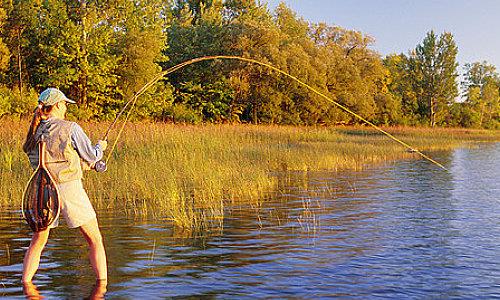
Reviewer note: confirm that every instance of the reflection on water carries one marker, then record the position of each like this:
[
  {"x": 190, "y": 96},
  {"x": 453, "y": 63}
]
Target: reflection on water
[{"x": 406, "y": 230}]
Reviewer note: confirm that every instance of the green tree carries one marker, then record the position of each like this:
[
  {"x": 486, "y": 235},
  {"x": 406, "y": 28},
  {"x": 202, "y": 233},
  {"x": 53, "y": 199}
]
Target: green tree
[
  {"x": 141, "y": 37},
  {"x": 196, "y": 8},
  {"x": 197, "y": 32},
  {"x": 21, "y": 16},
  {"x": 481, "y": 88},
  {"x": 388, "y": 106},
  {"x": 355, "y": 74},
  {"x": 65, "y": 44},
  {"x": 478, "y": 74},
  {"x": 299, "y": 57},
  {"x": 4, "y": 51},
  {"x": 400, "y": 86},
  {"x": 84, "y": 47},
  {"x": 434, "y": 71},
  {"x": 141, "y": 40},
  {"x": 256, "y": 36}
]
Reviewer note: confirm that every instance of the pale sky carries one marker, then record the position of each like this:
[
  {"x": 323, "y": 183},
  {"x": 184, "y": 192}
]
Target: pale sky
[{"x": 399, "y": 25}]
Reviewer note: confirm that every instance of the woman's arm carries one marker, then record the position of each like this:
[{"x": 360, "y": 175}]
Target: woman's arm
[{"x": 80, "y": 141}]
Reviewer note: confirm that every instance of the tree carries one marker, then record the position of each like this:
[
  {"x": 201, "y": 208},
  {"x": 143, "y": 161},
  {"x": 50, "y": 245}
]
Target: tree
[
  {"x": 401, "y": 86},
  {"x": 298, "y": 55},
  {"x": 21, "y": 15},
  {"x": 83, "y": 47},
  {"x": 355, "y": 75},
  {"x": 478, "y": 74},
  {"x": 201, "y": 31},
  {"x": 141, "y": 39},
  {"x": 140, "y": 32},
  {"x": 256, "y": 36},
  {"x": 65, "y": 44},
  {"x": 235, "y": 8},
  {"x": 194, "y": 7},
  {"x": 4, "y": 51},
  {"x": 434, "y": 71},
  {"x": 481, "y": 88},
  {"x": 101, "y": 52}
]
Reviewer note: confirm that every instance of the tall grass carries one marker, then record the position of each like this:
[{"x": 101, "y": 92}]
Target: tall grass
[{"x": 189, "y": 174}]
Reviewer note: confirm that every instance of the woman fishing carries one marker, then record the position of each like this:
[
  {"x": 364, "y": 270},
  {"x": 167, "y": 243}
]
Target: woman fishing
[{"x": 68, "y": 152}]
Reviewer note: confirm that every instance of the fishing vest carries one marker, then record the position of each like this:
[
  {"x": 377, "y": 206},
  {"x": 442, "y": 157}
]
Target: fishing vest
[{"x": 62, "y": 160}]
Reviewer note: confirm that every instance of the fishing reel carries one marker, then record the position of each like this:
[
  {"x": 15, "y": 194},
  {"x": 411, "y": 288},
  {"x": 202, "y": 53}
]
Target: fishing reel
[{"x": 100, "y": 166}]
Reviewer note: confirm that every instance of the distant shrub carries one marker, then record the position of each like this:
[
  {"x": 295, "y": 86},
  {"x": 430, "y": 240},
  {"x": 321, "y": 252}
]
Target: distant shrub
[
  {"x": 4, "y": 101},
  {"x": 17, "y": 104},
  {"x": 492, "y": 124},
  {"x": 180, "y": 113},
  {"x": 76, "y": 112}
]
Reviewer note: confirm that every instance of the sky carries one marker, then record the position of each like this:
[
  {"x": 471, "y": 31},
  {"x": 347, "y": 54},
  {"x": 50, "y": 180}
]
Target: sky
[{"x": 400, "y": 25}]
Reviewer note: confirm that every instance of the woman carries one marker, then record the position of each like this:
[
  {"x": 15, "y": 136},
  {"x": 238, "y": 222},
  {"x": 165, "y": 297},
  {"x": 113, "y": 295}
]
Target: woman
[{"x": 68, "y": 152}]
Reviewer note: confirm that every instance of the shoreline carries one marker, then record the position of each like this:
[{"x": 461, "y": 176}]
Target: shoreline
[{"x": 189, "y": 173}]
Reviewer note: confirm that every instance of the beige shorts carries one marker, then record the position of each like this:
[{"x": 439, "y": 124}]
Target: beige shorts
[{"x": 75, "y": 205}]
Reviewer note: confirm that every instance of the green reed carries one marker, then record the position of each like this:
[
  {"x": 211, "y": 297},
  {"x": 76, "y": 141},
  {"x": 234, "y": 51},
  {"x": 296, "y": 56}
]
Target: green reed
[{"x": 188, "y": 174}]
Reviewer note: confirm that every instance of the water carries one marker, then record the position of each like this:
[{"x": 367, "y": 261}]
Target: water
[{"x": 406, "y": 230}]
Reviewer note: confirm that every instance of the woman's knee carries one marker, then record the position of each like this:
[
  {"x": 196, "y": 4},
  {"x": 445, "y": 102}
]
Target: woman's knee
[
  {"x": 39, "y": 239},
  {"x": 92, "y": 233},
  {"x": 96, "y": 239}
]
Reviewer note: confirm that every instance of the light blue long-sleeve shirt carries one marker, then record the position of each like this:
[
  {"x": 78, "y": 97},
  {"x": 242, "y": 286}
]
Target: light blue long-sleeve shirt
[
  {"x": 79, "y": 141},
  {"x": 83, "y": 145}
]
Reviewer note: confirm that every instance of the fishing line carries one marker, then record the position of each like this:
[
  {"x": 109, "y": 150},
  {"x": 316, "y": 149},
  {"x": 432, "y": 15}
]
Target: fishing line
[
  {"x": 160, "y": 76},
  {"x": 132, "y": 101}
]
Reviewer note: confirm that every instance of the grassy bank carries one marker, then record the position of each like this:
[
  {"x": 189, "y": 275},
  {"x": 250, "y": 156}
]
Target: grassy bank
[{"x": 187, "y": 174}]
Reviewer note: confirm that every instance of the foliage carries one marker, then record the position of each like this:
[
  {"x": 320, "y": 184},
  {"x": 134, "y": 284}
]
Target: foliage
[
  {"x": 97, "y": 52},
  {"x": 435, "y": 75},
  {"x": 15, "y": 103},
  {"x": 4, "y": 50},
  {"x": 482, "y": 100},
  {"x": 180, "y": 113},
  {"x": 400, "y": 86},
  {"x": 102, "y": 52}
]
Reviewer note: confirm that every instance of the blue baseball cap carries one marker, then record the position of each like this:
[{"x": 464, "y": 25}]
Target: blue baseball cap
[{"x": 52, "y": 96}]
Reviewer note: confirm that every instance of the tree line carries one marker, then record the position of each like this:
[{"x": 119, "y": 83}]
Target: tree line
[{"x": 101, "y": 52}]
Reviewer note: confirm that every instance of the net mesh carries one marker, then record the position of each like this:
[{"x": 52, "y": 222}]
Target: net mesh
[{"x": 41, "y": 201}]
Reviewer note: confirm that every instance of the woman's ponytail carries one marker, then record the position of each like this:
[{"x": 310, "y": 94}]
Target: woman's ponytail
[{"x": 39, "y": 112}]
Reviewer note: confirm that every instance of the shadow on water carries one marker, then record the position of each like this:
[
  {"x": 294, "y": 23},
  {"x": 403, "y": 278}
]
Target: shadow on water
[{"x": 405, "y": 230}]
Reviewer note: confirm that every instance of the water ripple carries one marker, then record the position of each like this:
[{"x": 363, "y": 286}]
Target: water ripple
[{"x": 401, "y": 231}]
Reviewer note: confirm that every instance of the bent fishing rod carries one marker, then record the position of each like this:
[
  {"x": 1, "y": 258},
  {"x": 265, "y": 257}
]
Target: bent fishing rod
[{"x": 100, "y": 166}]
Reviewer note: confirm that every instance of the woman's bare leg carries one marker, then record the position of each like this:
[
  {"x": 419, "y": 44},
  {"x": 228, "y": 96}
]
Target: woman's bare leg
[
  {"x": 99, "y": 290},
  {"x": 31, "y": 291},
  {"x": 32, "y": 256},
  {"x": 97, "y": 253}
]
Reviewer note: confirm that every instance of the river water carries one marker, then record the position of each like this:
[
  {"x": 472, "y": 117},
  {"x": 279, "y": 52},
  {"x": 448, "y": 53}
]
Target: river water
[{"x": 406, "y": 230}]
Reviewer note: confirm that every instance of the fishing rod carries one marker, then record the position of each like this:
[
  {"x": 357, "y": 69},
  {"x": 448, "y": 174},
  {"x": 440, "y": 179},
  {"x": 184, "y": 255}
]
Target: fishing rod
[{"x": 101, "y": 165}]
